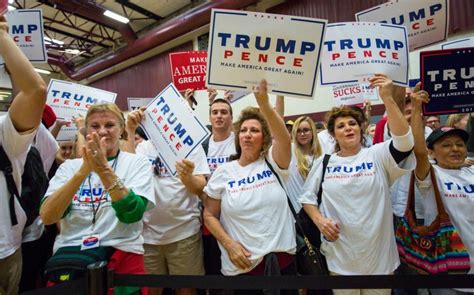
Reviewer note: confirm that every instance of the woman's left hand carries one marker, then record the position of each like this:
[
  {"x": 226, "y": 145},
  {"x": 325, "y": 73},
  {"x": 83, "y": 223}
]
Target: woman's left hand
[{"x": 95, "y": 152}]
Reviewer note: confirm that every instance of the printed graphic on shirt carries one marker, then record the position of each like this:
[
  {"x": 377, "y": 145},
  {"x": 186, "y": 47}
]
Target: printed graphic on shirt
[
  {"x": 364, "y": 169},
  {"x": 215, "y": 162},
  {"x": 159, "y": 168},
  {"x": 458, "y": 190},
  {"x": 254, "y": 181},
  {"x": 87, "y": 197}
]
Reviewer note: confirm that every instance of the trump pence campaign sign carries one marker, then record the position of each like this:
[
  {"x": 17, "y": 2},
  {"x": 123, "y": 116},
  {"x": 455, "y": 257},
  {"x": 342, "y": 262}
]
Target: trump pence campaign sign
[{"x": 247, "y": 46}]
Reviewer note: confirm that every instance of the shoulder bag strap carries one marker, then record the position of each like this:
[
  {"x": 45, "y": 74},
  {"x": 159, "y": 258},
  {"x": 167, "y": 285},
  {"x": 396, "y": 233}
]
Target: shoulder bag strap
[
  {"x": 292, "y": 209},
  {"x": 8, "y": 172},
  {"x": 439, "y": 203}
]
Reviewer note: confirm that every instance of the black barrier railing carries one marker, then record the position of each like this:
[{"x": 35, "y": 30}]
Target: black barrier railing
[
  {"x": 70, "y": 288},
  {"x": 99, "y": 279},
  {"x": 296, "y": 282}
]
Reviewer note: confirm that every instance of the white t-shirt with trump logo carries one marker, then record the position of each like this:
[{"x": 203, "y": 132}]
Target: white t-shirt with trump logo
[
  {"x": 254, "y": 210},
  {"x": 220, "y": 151},
  {"x": 356, "y": 196},
  {"x": 134, "y": 171}
]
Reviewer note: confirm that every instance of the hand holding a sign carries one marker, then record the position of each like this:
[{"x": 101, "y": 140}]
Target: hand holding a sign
[
  {"x": 281, "y": 138},
  {"x": 211, "y": 94},
  {"x": 389, "y": 93}
]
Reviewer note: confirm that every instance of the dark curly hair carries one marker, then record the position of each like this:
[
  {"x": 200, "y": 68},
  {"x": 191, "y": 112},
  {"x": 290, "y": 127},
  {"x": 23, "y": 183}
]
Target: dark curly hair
[
  {"x": 344, "y": 111},
  {"x": 252, "y": 113}
]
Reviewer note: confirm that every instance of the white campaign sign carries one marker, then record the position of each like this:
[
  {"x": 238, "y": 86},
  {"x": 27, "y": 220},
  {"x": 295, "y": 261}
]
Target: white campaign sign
[
  {"x": 69, "y": 100},
  {"x": 245, "y": 47},
  {"x": 137, "y": 102},
  {"x": 460, "y": 43},
  {"x": 26, "y": 29},
  {"x": 172, "y": 127},
  {"x": 426, "y": 21},
  {"x": 354, "y": 93},
  {"x": 355, "y": 51}
]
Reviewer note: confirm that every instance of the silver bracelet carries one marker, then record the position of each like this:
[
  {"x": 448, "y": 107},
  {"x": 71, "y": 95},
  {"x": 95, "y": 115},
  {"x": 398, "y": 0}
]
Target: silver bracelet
[{"x": 116, "y": 185}]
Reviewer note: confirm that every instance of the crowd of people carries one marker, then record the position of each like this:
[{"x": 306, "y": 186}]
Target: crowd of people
[{"x": 226, "y": 211}]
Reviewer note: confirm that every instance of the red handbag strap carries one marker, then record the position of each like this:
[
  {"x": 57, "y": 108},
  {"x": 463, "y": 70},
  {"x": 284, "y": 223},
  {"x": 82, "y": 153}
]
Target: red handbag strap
[{"x": 439, "y": 202}]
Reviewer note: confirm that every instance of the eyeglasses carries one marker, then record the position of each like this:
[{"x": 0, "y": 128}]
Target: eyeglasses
[{"x": 304, "y": 130}]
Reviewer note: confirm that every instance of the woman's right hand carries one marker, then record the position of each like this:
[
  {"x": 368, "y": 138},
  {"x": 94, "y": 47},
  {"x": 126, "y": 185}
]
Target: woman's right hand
[
  {"x": 238, "y": 255},
  {"x": 134, "y": 118},
  {"x": 3, "y": 25},
  {"x": 328, "y": 228}
]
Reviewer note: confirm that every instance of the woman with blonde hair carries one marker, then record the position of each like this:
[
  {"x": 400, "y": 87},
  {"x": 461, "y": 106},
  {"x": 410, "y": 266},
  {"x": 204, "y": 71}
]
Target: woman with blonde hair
[
  {"x": 304, "y": 150},
  {"x": 99, "y": 199},
  {"x": 457, "y": 121}
]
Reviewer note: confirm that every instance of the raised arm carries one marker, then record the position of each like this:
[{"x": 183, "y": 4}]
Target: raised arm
[
  {"x": 26, "y": 109},
  {"x": 134, "y": 118},
  {"x": 280, "y": 106},
  {"x": 281, "y": 151},
  {"x": 388, "y": 92},
  {"x": 421, "y": 152}
]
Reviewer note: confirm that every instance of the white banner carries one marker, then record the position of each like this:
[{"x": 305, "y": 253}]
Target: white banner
[
  {"x": 26, "y": 29},
  {"x": 426, "y": 21},
  {"x": 137, "y": 102},
  {"x": 172, "y": 127},
  {"x": 355, "y": 51},
  {"x": 245, "y": 47},
  {"x": 69, "y": 100},
  {"x": 354, "y": 93},
  {"x": 460, "y": 43}
]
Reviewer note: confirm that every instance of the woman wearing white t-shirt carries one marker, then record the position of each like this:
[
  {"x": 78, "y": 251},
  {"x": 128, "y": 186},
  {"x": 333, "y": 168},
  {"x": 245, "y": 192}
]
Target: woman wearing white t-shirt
[
  {"x": 100, "y": 199},
  {"x": 304, "y": 150},
  {"x": 355, "y": 214},
  {"x": 246, "y": 209},
  {"x": 447, "y": 147}
]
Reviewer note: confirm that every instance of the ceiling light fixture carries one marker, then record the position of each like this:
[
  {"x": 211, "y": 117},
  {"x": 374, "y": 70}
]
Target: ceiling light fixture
[
  {"x": 11, "y": 1},
  {"x": 116, "y": 16},
  {"x": 41, "y": 71},
  {"x": 53, "y": 41},
  {"x": 74, "y": 51}
]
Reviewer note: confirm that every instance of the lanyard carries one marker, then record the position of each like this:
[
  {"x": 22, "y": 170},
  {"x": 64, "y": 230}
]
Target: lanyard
[{"x": 94, "y": 208}]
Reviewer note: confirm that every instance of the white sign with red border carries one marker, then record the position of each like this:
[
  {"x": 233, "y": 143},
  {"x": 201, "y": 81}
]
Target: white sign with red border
[
  {"x": 172, "y": 127},
  {"x": 354, "y": 93}
]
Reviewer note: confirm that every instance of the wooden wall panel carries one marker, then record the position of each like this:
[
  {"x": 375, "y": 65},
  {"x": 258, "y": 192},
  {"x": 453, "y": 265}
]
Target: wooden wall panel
[
  {"x": 344, "y": 10},
  {"x": 145, "y": 79}
]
